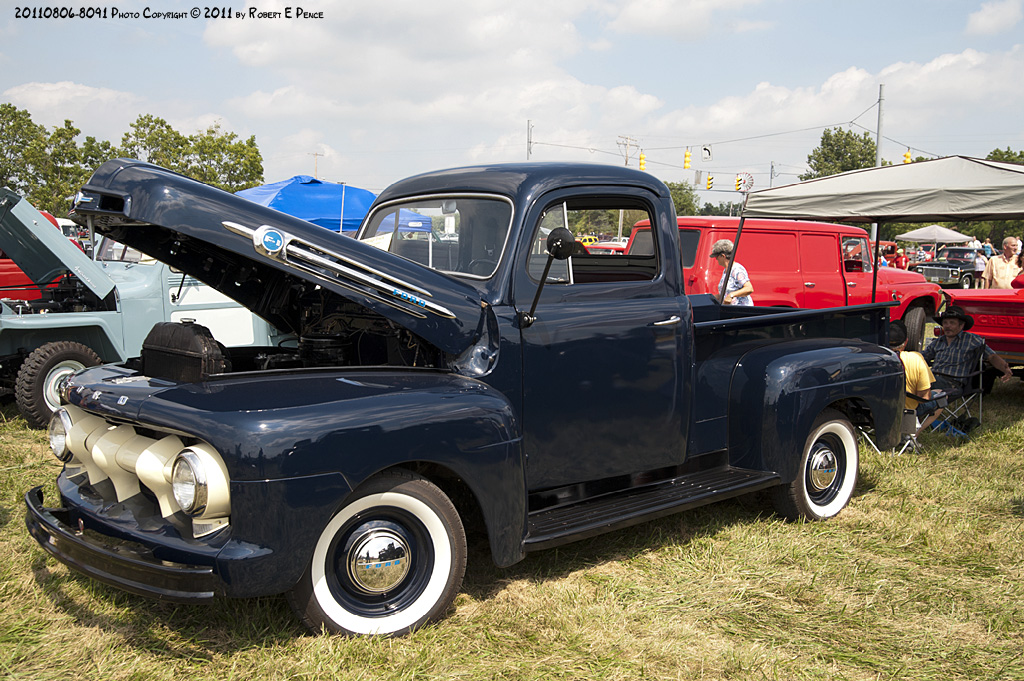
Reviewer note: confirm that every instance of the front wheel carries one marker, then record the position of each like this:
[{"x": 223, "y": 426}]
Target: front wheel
[
  {"x": 389, "y": 562},
  {"x": 827, "y": 474},
  {"x": 914, "y": 320},
  {"x": 966, "y": 281},
  {"x": 37, "y": 389}
]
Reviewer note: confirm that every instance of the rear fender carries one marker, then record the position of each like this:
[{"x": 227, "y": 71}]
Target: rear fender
[{"x": 778, "y": 390}]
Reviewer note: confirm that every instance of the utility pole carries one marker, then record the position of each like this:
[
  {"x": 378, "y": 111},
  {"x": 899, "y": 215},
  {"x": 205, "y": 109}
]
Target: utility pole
[
  {"x": 627, "y": 141},
  {"x": 315, "y": 156},
  {"x": 878, "y": 149}
]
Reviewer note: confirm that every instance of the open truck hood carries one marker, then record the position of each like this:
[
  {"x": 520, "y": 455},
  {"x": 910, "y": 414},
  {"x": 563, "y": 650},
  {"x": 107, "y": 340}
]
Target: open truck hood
[
  {"x": 42, "y": 251},
  {"x": 263, "y": 259}
]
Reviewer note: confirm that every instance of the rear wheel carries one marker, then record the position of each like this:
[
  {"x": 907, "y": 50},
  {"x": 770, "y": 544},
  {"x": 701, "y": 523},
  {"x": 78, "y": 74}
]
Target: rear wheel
[
  {"x": 914, "y": 320},
  {"x": 827, "y": 474},
  {"x": 390, "y": 561},
  {"x": 37, "y": 387}
]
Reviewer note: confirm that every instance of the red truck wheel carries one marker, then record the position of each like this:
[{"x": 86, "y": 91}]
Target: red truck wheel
[
  {"x": 914, "y": 320},
  {"x": 36, "y": 388},
  {"x": 828, "y": 471},
  {"x": 389, "y": 562}
]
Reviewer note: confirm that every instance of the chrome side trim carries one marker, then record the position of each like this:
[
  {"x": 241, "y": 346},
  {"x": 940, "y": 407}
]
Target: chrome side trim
[{"x": 293, "y": 251}]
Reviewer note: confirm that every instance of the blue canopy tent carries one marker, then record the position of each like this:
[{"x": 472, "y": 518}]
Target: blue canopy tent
[{"x": 337, "y": 207}]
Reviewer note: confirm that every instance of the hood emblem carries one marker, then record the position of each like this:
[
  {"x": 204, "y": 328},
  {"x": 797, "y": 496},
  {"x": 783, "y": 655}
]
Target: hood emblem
[
  {"x": 340, "y": 269},
  {"x": 271, "y": 241}
]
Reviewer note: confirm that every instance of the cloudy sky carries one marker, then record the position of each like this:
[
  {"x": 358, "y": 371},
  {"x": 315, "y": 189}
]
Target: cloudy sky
[{"x": 376, "y": 91}]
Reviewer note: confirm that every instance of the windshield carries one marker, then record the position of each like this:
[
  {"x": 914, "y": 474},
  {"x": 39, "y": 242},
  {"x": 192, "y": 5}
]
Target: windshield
[
  {"x": 960, "y": 254},
  {"x": 113, "y": 251},
  {"x": 458, "y": 234}
]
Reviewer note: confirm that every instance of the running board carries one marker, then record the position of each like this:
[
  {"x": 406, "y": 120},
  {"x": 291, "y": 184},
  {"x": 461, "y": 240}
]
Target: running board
[{"x": 556, "y": 526}]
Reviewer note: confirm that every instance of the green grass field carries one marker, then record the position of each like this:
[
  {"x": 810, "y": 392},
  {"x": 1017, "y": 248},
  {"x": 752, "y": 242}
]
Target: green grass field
[{"x": 919, "y": 578}]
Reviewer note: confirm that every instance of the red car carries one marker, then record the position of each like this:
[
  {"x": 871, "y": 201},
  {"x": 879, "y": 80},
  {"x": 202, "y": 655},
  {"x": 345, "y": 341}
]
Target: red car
[
  {"x": 998, "y": 317},
  {"x": 606, "y": 248},
  {"x": 799, "y": 264}
]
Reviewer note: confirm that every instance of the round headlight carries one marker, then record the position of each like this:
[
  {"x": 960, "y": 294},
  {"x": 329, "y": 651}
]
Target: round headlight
[
  {"x": 60, "y": 426},
  {"x": 188, "y": 483}
]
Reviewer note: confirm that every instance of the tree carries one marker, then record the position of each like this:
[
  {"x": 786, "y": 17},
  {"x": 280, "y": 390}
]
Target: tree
[
  {"x": 1006, "y": 156},
  {"x": 95, "y": 152},
  {"x": 57, "y": 161},
  {"x": 211, "y": 156},
  {"x": 684, "y": 197},
  {"x": 152, "y": 139},
  {"x": 839, "y": 151},
  {"x": 20, "y": 137},
  {"x": 722, "y": 208},
  {"x": 224, "y": 160}
]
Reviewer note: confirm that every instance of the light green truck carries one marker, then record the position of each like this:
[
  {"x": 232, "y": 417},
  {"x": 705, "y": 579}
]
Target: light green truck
[{"x": 99, "y": 312}]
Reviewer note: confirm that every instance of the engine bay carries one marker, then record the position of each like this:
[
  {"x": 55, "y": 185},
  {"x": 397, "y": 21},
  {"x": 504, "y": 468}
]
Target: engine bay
[{"x": 335, "y": 333}]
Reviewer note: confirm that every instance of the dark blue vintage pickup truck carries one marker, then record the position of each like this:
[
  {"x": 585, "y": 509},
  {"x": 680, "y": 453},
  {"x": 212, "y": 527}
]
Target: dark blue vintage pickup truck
[{"x": 461, "y": 364}]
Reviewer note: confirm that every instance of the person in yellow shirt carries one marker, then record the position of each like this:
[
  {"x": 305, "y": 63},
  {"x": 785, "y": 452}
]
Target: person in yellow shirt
[{"x": 919, "y": 378}]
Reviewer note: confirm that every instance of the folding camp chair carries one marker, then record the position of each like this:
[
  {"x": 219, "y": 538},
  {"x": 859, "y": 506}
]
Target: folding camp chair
[
  {"x": 963, "y": 414},
  {"x": 908, "y": 431}
]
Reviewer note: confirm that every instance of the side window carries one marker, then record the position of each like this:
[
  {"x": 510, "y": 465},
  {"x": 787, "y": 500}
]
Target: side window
[
  {"x": 592, "y": 216},
  {"x": 113, "y": 251},
  {"x": 856, "y": 257},
  {"x": 689, "y": 239}
]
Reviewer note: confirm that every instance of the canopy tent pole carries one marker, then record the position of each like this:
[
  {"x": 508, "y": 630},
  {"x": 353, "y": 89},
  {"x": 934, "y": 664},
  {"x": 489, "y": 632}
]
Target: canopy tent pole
[
  {"x": 874, "y": 273},
  {"x": 732, "y": 256}
]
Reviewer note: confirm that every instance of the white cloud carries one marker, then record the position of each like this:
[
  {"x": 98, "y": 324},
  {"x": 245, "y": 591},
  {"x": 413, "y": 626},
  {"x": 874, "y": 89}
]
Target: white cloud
[
  {"x": 995, "y": 17},
  {"x": 668, "y": 17},
  {"x": 100, "y": 112}
]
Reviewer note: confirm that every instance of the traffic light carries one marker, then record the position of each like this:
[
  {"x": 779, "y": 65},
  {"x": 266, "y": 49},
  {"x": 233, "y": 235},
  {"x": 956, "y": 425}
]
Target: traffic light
[
  {"x": 711, "y": 180},
  {"x": 686, "y": 160},
  {"x": 643, "y": 161},
  {"x": 739, "y": 183},
  {"x": 906, "y": 156}
]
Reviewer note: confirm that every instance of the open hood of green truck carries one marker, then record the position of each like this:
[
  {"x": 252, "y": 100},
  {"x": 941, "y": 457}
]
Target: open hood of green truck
[{"x": 41, "y": 250}]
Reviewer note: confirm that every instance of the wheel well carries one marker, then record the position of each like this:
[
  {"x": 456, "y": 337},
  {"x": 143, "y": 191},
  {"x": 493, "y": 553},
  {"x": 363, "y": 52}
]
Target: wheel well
[
  {"x": 927, "y": 303},
  {"x": 857, "y": 410},
  {"x": 459, "y": 492}
]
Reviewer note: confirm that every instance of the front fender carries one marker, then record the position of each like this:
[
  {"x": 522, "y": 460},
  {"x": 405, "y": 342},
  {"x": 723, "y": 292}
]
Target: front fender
[
  {"x": 350, "y": 425},
  {"x": 777, "y": 391}
]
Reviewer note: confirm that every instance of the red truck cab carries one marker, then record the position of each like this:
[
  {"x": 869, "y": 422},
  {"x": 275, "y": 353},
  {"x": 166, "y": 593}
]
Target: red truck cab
[{"x": 799, "y": 264}]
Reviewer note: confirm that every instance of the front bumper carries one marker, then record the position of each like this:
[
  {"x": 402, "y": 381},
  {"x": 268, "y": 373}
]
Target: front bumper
[{"x": 125, "y": 565}]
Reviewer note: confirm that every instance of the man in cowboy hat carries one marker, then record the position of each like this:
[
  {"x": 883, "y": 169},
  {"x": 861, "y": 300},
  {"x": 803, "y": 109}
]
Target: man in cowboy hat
[{"x": 954, "y": 355}]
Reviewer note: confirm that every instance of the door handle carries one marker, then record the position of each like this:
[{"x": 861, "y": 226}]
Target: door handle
[
  {"x": 671, "y": 321},
  {"x": 851, "y": 284},
  {"x": 809, "y": 284}
]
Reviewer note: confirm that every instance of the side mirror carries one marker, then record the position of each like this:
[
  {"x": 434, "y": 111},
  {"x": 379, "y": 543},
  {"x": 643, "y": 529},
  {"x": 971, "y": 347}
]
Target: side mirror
[{"x": 560, "y": 243}]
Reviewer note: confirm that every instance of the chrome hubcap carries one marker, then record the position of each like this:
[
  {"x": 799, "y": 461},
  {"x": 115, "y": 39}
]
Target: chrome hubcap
[
  {"x": 378, "y": 560},
  {"x": 823, "y": 469},
  {"x": 51, "y": 389}
]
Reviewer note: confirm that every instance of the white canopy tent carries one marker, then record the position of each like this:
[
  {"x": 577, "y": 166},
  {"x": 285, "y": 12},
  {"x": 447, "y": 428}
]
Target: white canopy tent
[
  {"x": 954, "y": 188},
  {"x": 944, "y": 189},
  {"x": 934, "y": 234}
]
